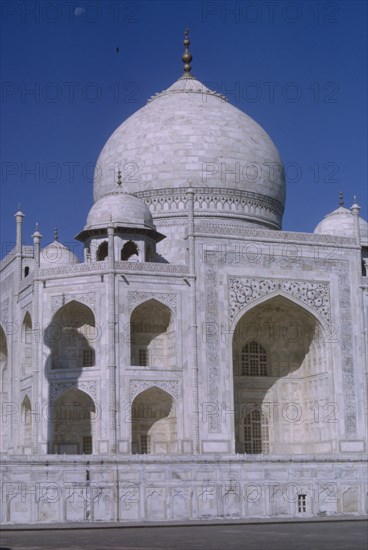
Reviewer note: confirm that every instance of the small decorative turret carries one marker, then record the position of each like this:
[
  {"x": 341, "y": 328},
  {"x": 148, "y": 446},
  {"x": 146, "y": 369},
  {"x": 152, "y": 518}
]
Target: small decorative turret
[
  {"x": 19, "y": 220},
  {"x": 36, "y": 246},
  {"x": 355, "y": 211},
  {"x": 187, "y": 56}
]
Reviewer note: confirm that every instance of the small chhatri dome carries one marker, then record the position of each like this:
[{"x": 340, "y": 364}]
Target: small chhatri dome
[
  {"x": 56, "y": 254},
  {"x": 120, "y": 209},
  {"x": 189, "y": 131},
  {"x": 340, "y": 223}
]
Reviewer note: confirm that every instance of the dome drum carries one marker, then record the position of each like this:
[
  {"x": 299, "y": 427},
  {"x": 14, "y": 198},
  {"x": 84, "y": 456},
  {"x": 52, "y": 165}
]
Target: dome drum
[{"x": 246, "y": 206}]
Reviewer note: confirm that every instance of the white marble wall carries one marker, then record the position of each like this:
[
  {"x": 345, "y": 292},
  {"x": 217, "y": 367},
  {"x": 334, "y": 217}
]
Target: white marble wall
[{"x": 53, "y": 489}]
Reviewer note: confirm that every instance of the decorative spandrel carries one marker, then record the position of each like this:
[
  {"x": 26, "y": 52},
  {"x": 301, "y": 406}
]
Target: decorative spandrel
[{"x": 245, "y": 291}]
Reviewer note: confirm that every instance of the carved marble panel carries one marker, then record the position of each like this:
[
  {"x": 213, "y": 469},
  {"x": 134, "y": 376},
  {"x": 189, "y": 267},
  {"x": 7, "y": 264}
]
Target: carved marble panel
[
  {"x": 4, "y": 312},
  {"x": 87, "y": 298},
  {"x": 136, "y": 297},
  {"x": 243, "y": 291},
  {"x": 88, "y": 386},
  {"x": 212, "y": 343},
  {"x": 170, "y": 386}
]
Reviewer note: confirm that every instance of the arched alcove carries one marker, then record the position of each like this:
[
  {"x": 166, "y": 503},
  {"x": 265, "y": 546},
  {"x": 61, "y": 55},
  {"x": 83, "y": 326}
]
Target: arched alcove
[
  {"x": 280, "y": 372},
  {"x": 26, "y": 347},
  {"x": 72, "y": 422},
  {"x": 26, "y": 426},
  {"x": 71, "y": 336},
  {"x": 154, "y": 425},
  {"x": 153, "y": 341},
  {"x": 129, "y": 251}
]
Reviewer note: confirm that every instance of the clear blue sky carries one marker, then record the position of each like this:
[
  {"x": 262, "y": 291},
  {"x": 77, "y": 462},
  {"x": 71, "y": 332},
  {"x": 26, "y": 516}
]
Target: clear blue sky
[{"x": 298, "y": 68}]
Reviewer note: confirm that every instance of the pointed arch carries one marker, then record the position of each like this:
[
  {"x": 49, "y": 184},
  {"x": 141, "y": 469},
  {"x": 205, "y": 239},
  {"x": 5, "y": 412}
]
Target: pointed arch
[
  {"x": 154, "y": 423},
  {"x": 26, "y": 426},
  {"x": 71, "y": 336},
  {"x": 73, "y": 421},
  {"x": 26, "y": 346},
  {"x": 129, "y": 250},
  {"x": 102, "y": 251},
  {"x": 153, "y": 335}
]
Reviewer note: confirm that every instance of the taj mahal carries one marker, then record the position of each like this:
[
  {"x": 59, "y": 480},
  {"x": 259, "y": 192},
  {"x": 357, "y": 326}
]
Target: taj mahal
[{"x": 199, "y": 362}]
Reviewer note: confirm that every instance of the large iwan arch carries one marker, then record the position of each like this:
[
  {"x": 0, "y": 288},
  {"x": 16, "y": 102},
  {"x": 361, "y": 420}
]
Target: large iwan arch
[{"x": 282, "y": 377}]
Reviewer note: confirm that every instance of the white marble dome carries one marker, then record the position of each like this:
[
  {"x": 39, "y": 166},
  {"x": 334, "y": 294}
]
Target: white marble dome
[
  {"x": 340, "y": 222},
  {"x": 189, "y": 132},
  {"x": 56, "y": 254},
  {"x": 122, "y": 209}
]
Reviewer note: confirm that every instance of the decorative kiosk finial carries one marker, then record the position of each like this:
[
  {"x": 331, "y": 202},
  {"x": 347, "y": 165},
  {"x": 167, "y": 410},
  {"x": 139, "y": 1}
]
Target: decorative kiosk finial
[
  {"x": 341, "y": 199},
  {"x": 56, "y": 234},
  {"x": 187, "y": 56}
]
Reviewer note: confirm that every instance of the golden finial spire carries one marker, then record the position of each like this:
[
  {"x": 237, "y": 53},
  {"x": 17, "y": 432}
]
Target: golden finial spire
[
  {"x": 187, "y": 56},
  {"x": 56, "y": 234},
  {"x": 341, "y": 199}
]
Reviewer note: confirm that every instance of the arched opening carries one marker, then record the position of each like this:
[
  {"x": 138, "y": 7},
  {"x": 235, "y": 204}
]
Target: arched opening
[
  {"x": 26, "y": 426},
  {"x": 73, "y": 417},
  {"x": 153, "y": 336},
  {"x": 129, "y": 250},
  {"x": 71, "y": 337},
  {"x": 280, "y": 372},
  {"x": 153, "y": 423},
  {"x": 102, "y": 251},
  {"x": 4, "y": 390},
  {"x": 26, "y": 349},
  {"x": 26, "y": 271}
]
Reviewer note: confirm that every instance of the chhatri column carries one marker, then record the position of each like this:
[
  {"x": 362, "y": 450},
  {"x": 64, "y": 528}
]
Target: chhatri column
[
  {"x": 193, "y": 318},
  {"x": 111, "y": 337}
]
